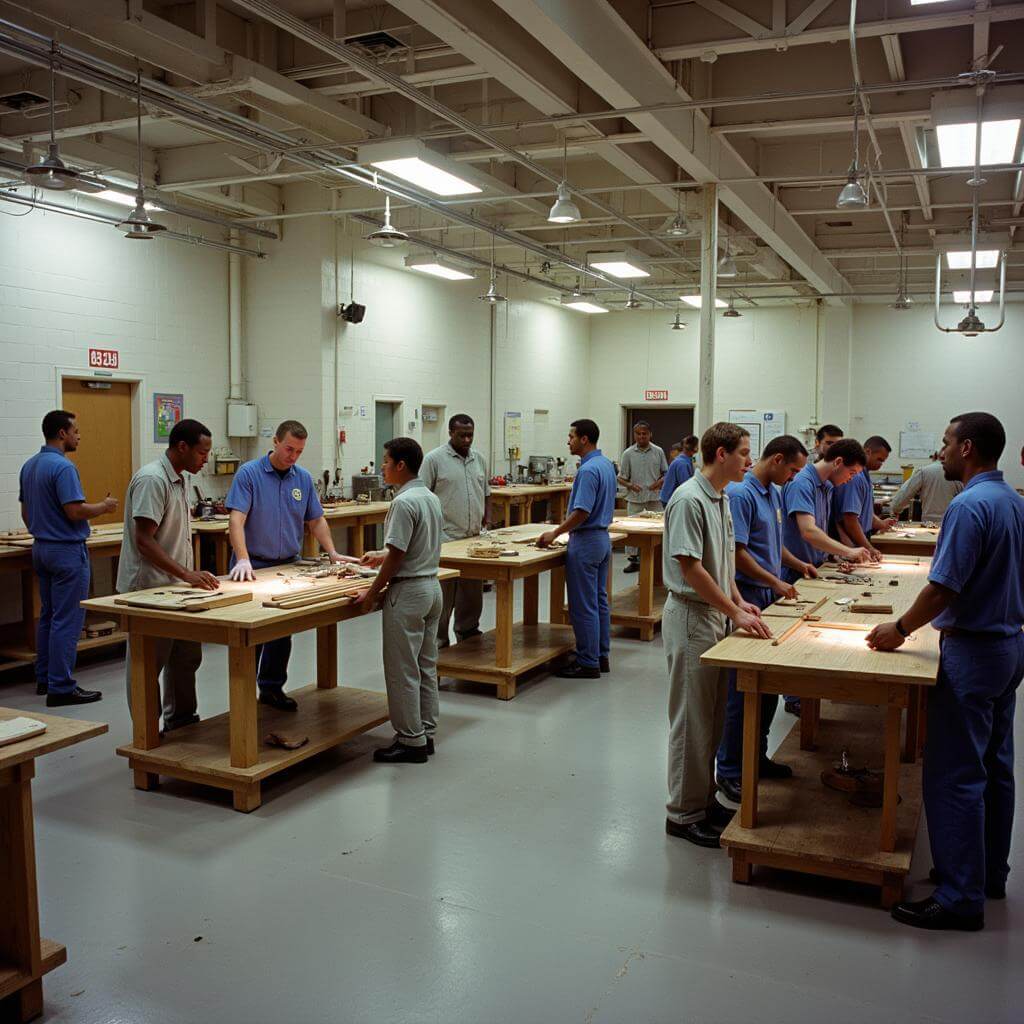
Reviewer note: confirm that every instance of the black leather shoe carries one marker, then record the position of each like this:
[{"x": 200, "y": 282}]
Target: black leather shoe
[
  {"x": 632, "y": 567},
  {"x": 472, "y": 633},
  {"x": 700, "y": 833},
  {"x": 277, "y": 699},
  {"x": 792, "y": 707},
  {"x": 719, "y": 816},
  {"x": 774, "y": 770},
  {"x": 42, "y": 689},
  {"x": 575, "y": 670},
  {"x": 992, "y": 892},
  {"x": 933, "y": 915},
  {"x": 430, "y": 746},
  {"x": 75, "y": 696},
  {"x": 731, "y": 789},
  {"x": 399, "y": 753},
  {"x": 605, "y": 665}
]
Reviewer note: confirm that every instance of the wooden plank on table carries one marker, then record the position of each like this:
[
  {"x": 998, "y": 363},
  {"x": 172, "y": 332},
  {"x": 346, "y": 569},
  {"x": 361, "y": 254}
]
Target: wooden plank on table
[{"x": 174, "y": 599}]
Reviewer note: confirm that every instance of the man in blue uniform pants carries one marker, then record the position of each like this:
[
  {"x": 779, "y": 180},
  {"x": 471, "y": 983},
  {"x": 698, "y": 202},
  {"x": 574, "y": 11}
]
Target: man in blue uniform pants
[
  {"x": 975, "y": 597},
  {"x": 853, "y": 503},
  {"x": 55, "y": 512},
  {"x": 591, "y": 503},
  {"x": 270, "y": 501},
  {"x": 756, "y": 506},
  {"x": 681, "y": 468}
]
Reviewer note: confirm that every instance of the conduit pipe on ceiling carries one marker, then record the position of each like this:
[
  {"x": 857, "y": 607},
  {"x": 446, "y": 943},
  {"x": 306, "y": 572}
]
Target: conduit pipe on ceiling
[{"x": 234, "y": 325}]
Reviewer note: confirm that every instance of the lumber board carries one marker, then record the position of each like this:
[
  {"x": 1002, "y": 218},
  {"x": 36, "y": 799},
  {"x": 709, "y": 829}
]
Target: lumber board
[{"x": 184, "y": 599}]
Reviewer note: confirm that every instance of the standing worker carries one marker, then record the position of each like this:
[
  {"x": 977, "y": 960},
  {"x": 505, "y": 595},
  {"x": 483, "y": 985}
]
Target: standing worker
[
  {"x": 641, "y": 472},
  {"x": 270, "y": 501},
  {"x": 157, "y": 551},
  {"x": 975, "y": 598},
  {"x": 55, "y": 512},
  {"x": 591, "y": 504},
  {"x": 458, "y": 476},
  {"x": 681, "y": 468},
  {"x": 853, "y": 503},
  {"x": 408, "y": 566},
  {"x": 825, "y": 436},
  {"x": 935, "y": 491}
]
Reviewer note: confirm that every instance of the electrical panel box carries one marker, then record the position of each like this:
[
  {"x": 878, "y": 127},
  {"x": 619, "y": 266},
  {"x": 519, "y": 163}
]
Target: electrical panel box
[{"x": 242, "y": 421}]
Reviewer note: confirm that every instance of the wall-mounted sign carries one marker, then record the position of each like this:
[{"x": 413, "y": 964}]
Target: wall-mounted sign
[
  {"x": 655, "y": 396},
  {"x": 103, "y": 358}
]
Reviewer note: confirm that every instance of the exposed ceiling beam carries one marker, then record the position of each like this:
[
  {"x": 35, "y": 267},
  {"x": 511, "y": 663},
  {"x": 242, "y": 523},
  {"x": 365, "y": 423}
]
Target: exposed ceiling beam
[
  {"x": 432, "y": 76},
  {"x": 825, "y": 125}
]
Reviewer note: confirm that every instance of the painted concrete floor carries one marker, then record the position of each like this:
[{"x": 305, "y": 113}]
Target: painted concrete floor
[{"x": 523, "y": 876}]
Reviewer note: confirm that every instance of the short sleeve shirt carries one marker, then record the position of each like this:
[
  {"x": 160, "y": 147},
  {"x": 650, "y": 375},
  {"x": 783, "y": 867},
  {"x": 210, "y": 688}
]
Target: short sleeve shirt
[
  {"x": 156, "y": 493},
  {"x": 48, "y": 482},
  {"x": 979, "y": 555},
  {"x": 462, "y": 486},
  {"x": 593, "y": 491},
  {"x": 808, "y": 493},
  {"x": 855, "y": 496},
  {"x": 678, "y": 473},
  {"x": 414, "y": 524},
  {"x": 277, "y": 508},
  {"x": 698, "y": 524},
  {"x": 757, "y": 523},
  {"x": 643, "y": 466}
]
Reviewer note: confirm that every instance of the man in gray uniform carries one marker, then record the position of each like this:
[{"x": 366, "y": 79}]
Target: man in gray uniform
[
  {"x": 458, "y": 476},
  {"x": 157, "y": 550},
  {"x": 642, "y": 472},
  {"x": 408, "y": 566},
  {"x": 936, "y": 492}
]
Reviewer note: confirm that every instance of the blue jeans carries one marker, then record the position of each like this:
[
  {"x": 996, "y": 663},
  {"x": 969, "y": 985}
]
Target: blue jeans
[
  {"x": 272, "y": 657},
  {"x": 968, "y": 766},
  {"x": 586, "y": 580},
  {"x": 730, "y": 750},
  {"x": 62, "y": 568}
]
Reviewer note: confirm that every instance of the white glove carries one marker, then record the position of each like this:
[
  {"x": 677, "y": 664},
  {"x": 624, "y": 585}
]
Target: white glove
[{"x": 243, "y": 571}]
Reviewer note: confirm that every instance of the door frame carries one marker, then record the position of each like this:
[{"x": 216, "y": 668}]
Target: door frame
[{"x": 624, "y": 408}]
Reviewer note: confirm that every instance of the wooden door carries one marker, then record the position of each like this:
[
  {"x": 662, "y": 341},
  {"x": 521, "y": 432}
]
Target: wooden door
[{"x": 104, "y": 456}]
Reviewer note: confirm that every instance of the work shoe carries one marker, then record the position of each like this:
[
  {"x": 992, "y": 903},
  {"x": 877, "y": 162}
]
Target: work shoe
[
  {"x": 932, "y": 915},
  {"x": 42, "y": 689},
  {"x": 430, "y": 746},
  {"x": 770, "y": 769},
  {"x": 992, "y": 891},
  {"x": 574, "y": 670},
  {"x": 718, "y": 816},
  {"x": 275, "y": 697},
  {"x": 792, "y": 706},
  {"x": 472, "y": 633},
  {"x": 604, "y": 665},
  {"x": 731, "y": 789},
  {"x": 700, "y": 833},
  {"x": 399, "y": 753},
  {"x": 632, "y": 567},
  {"x": 75, "y": 696}
]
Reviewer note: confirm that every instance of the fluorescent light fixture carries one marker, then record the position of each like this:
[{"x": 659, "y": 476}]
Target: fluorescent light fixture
[
  {"x": 980, "y": 295},
  {"x": 955, "y": 117},
  {"x": 984, "y": 260},
  {"x": 694, "y": 300},
  {"x": 583, "y": 304},
  {"x": 618, "y": 264},
  {"x": 108, "y": 195},
  {"x": 920, "y": 3},
  {"x": 414, "y": 162},
  {"x": 439, "y": 267}
]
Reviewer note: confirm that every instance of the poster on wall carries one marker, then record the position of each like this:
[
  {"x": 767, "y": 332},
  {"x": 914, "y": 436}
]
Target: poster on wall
[
  {"x": 763, "y": 424},
  {"x": 167, "y": 411},
  {"x": 513, "y": 430}
]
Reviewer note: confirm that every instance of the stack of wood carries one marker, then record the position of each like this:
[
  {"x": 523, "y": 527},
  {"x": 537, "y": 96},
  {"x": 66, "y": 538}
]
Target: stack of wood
[{"x": 322, "y": 593}]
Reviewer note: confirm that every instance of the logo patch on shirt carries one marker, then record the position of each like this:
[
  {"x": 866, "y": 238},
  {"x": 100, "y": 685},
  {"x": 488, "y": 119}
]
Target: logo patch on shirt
[{"x": 297, "y": 494}]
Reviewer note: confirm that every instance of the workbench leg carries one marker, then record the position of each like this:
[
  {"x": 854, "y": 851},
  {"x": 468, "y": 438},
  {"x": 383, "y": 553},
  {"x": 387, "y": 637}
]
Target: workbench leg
[
  {"x": 327, "y": 657},
  {"x": 892, "y": 890},
  {"x": 357, "y": 540},
  {"x": 507, "y": 689},
  {"x": 145, "y": 691},
  {"x": 531, "y": 599},
  {"x": 890, "y": 784},
  {"x": 659, "y": 580},
  {"x": 740, "y": 866},
  {"x": 913, "y": 726},
  {"x": 222, "y": 556},
  {"x": 197, "y": 551},
  {"x": 503, "y": 619},
  {"x": 242, "y": 707},
  {"x": 645, "y": 587},
  {"x": 24, "y": 1005},
  {"x": 556, "y": 600},
  {"x": 751, "y": 754},
  {"x": 810, "y": 711},
  {"x": 247, "y": 798}
]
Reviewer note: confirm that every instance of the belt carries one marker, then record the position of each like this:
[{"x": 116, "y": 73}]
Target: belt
[{"x": 974, "y": 634}]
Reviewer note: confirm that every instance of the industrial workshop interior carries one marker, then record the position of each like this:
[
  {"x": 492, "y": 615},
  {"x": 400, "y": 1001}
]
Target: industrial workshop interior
[{"x": 511, "y": 511}]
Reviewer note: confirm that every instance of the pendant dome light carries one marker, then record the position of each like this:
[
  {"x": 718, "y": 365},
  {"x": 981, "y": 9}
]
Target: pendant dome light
[
  {"x": 386, "y": 236},
  {"x": 852, "y": 195},
  {"x": 564, "y": 210},
  {"x": 677, "y": 324},
  {"x": 632, "y": 302},
  {"x": 731, "y": 311},
  {"x": 679, "y": 226},
  {"x": 727, "y": 265},
  {"x": 492, "y": 295},
  {"x": 137, "y": 224}
]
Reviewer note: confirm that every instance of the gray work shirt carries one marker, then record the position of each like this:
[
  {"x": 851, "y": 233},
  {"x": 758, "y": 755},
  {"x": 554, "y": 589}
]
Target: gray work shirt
[
  {"x": 413, "y": 525},
  {"x": 643, "y": 466},
  {"x": 935, "y": 490},
  {"x": 461, "y": 484},
  {"x": 157, "y": 493},
  {"x": 698, "y": 524}
]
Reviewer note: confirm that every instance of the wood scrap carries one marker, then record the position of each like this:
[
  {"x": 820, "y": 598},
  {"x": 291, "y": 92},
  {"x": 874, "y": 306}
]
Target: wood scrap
[
  {"x": 184, "y": 599},
  {"x": 97, "y": 629},
  {"x": 867, "y": 608},
  {"x": 287, "y": 741}
]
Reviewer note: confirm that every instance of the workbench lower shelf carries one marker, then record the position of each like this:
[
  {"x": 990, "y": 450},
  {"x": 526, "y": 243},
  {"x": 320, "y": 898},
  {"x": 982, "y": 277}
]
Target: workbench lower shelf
[
  {"x": 201, "y": 752},
  {"x": 625, "y": 610},
  {"x": 21, "y": 991},
  {"x": 804, "y": 826}
]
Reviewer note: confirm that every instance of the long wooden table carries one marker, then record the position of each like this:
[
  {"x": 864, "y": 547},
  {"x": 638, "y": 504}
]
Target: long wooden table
[
  {"x": 522, "y": 496},
  {"x": 641, "y": 607},
  {"x": 799, "y": 824},
  {"x": 25, "y": 957},
  {"x": 227, "y": 751},
  {"x": 907, "y": 539}
]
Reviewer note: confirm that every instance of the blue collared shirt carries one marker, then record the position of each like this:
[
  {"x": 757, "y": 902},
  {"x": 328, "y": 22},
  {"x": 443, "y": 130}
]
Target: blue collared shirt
[
  {"x": 980, "y": 556},
  {"x": 277, "y": 508},
  {"x": 757, "y": 523},
  {"x": 806, "y": 492},
  {"x": 593, "y": 491},
  {"x": 48, "y": 482},
  {"x": 856, "y": 496},
  {"x": 678, "y": 473}
]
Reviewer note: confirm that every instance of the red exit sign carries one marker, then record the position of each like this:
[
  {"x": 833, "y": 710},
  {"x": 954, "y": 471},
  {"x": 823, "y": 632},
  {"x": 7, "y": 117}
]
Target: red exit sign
[
  {"x": 655, "y": 396},
  {"x": 105, "y": 358}
]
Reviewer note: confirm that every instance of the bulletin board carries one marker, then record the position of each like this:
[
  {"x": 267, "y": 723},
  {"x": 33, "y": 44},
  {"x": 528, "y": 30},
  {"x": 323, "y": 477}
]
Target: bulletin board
[{"x": 763, "y": 424}]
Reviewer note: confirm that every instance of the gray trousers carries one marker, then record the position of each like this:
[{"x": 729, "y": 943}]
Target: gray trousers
[
  {"x": 410, "y": 614},
  {"x": 466, "y": 599},
  {"x": 696, "y": 705},
  {"x": 177, "y": 662},
  {"x": 634, "y": 505}
]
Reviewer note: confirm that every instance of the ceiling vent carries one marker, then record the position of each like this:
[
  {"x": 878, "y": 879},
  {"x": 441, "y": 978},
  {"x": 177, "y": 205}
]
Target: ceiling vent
[
  {"x": 22, "y": 100},
  {"x": 378, "y": 44}
]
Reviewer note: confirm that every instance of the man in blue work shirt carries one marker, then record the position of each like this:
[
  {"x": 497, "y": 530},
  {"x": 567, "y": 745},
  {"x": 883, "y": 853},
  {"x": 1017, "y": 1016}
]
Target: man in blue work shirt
[
  {"x": 756, "y": 506},
  {"x": 681, "y": 468},
  {"x": 591, "y": 504},
  {"x": 270, "y": 501},
  {"x": 55, "y": 512},
  {"x": 853, "y": 503},
  {"x": 975, "y": 597}
]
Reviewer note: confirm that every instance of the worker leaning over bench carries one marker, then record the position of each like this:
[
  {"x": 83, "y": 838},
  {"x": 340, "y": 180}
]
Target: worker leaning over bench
[
  {"x": 157, "y": 551},
  {"x": 853, "y": 503},
  {"x": 975, "y": 598},
  {"x": 408, "y": 565},
  {"x": 270, "y": 501}
]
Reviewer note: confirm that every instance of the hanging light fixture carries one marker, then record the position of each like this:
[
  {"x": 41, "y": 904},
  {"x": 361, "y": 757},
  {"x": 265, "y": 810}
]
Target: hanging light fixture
[
  {"x": 492, "y": 295},
  {"x": 677, "y": 324},
  {"x": 386, "y": 236},
  {"x": 679, "y": 225},
  {"x": 564, "y": 210},
  {"x": 852, "y": 195},
  {"x": 632, "y": 302},
  {"x": 137, "y": 224},
  {"x": 727, "y": 265},
  {"x": 732, "y": 311}
]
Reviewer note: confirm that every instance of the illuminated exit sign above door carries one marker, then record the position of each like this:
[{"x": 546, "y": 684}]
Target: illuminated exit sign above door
[{"x": 655, "y": 396}]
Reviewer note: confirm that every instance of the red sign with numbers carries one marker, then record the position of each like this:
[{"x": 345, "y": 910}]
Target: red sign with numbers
[
  {"x": 655, "y": 396},
  {"x": 103, "y": 358}
]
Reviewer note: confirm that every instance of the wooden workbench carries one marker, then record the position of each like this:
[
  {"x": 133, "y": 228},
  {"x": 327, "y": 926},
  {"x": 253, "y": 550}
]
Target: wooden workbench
[
  {"x": 522, "y": 496},
  {"x": 25, "y": 957},
  {"x": 907, "y": 539},
  {"x": 799, "y": 824},
  {"x": 640, "y": 607},
  {"x": 227, "y": 751}
]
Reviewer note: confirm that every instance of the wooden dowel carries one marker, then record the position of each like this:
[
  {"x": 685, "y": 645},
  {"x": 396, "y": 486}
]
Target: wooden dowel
[
  {"x": 860, "y": 626},
  {"x": 789, "y": 632}
]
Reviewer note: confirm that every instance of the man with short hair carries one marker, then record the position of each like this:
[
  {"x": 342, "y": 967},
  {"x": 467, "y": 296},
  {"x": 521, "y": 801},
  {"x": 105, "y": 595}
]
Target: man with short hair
[
  {"x": 55, "y": 512},
  {"x": 975, "y": 598},
  {"x": 270, "y": 502},
  {"x": 457, "y": 474},
  {"x": 642, "y": 472},
  {"x": 935, "y": 491},
  {"x": 681, "y": 468},
  {"x": 825, "y": 436},
  {"x": 157, "y": 551},
  {"x": 699, "y": 568},
  {"x": 407, "y": 566},
  {"x": 853, "y": 503},
  {"x": 591, "y": 504}
]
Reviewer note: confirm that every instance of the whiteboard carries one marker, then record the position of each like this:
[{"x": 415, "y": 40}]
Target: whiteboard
[
  {"x": 763, "y": 424},
  {"x": 918, "y": 444}
]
